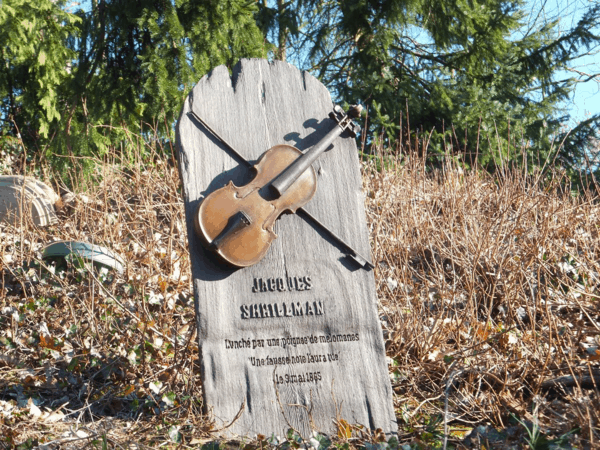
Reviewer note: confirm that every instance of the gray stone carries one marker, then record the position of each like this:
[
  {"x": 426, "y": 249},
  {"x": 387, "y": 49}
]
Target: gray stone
[{"x": 22, "y": 196}]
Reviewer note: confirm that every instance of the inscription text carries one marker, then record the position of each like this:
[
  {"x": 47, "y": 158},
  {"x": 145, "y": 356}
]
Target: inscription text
[
  {"x": 291, "y": 309},
  {"x": 282, "y": 284}
]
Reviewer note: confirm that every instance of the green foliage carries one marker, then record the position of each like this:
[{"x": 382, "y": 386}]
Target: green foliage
[
  {"x": 482, "y": 78},
  {"x": 34, "y": 64},
  {"x": 537, "y": 440},
  {"x": 149, "y": 54},
  {"x": 73, "y": 83}
]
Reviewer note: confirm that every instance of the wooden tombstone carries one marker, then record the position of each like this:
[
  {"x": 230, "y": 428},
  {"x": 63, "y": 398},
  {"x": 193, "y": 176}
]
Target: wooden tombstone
[{"x": 293, "y": 341}]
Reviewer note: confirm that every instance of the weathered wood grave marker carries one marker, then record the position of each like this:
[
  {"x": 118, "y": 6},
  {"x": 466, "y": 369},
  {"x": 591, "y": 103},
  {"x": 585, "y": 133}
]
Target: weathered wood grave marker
[{"x": 294, "y": 339}]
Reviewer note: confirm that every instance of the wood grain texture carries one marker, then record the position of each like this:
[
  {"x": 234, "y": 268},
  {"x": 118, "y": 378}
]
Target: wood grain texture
[{"x": 260, "y": 105}]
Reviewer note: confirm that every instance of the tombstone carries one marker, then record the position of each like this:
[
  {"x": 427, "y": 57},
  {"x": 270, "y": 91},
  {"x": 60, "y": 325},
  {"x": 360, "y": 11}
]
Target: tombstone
[
  {"x": 20, "y": 195},
  {"x": 294, "y": 340},
  {"x": 95, "y": 254}
]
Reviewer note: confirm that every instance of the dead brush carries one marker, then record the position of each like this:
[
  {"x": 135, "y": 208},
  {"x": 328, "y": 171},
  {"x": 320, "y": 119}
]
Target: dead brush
[
  {"x": 91, "y": 345},
  {"x": 488, "y": 288},
  {"x": 489, "y": 293}
]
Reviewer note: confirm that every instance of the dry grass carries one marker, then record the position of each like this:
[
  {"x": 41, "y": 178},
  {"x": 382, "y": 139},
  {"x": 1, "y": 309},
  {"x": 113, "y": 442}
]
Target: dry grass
[
  {"x": 489, "y": 295},
  {"x": 489, "y": 301}
]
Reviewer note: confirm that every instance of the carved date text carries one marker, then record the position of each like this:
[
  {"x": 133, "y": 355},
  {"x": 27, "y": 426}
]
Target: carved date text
[{"x": 298, "y": 378}]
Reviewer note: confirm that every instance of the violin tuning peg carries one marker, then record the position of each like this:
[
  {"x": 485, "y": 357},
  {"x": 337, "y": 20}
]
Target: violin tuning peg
[{"x": 337, "y": 114}]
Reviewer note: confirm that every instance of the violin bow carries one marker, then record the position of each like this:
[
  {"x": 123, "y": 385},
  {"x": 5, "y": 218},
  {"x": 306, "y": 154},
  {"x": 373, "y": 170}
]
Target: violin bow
[{"x": 348, "y": 249}]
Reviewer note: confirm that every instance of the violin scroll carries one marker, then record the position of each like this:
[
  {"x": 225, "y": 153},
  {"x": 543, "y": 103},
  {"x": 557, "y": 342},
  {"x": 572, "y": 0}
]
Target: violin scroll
[{"x": 345, "y": 120}]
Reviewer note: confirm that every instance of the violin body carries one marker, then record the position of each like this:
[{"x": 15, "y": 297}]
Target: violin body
[{"x": 237, "y": 222}]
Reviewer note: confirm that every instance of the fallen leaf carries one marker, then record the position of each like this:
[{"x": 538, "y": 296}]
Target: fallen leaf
[
  {"x": 432, "y": 356},
  {"x": 33, "y": 409},
  {"x": 54, "y": 416}
]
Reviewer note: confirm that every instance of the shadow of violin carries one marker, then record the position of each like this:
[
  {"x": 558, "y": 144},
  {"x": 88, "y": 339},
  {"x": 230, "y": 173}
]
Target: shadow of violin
[
  {"x": 320, "y": 129},
  {"x": 211, "y": 268}
]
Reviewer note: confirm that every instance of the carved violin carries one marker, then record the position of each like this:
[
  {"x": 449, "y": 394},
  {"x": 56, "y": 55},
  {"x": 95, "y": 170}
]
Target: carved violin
[{"x": 236, "y": 223}]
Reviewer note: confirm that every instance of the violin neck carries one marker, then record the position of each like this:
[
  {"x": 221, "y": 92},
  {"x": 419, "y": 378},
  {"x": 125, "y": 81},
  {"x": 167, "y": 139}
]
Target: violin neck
[{"x": 286, "y": 178}]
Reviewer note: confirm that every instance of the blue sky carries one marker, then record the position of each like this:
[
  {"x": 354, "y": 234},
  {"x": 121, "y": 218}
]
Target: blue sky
[
  {"x": 586, "y": 101},
  {"x": 586, "y": 98}
]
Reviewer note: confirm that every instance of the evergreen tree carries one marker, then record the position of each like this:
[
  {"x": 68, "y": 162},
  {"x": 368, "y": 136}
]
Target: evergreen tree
[
  {"x": 480, "y": 75},
  {"x": 35, "y": 62},
  {"x": 125, "y": 64},
  {"x": 148, "y": 54}
]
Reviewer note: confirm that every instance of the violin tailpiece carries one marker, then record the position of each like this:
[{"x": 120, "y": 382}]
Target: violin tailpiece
[{"x": 237, "y": 223}]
